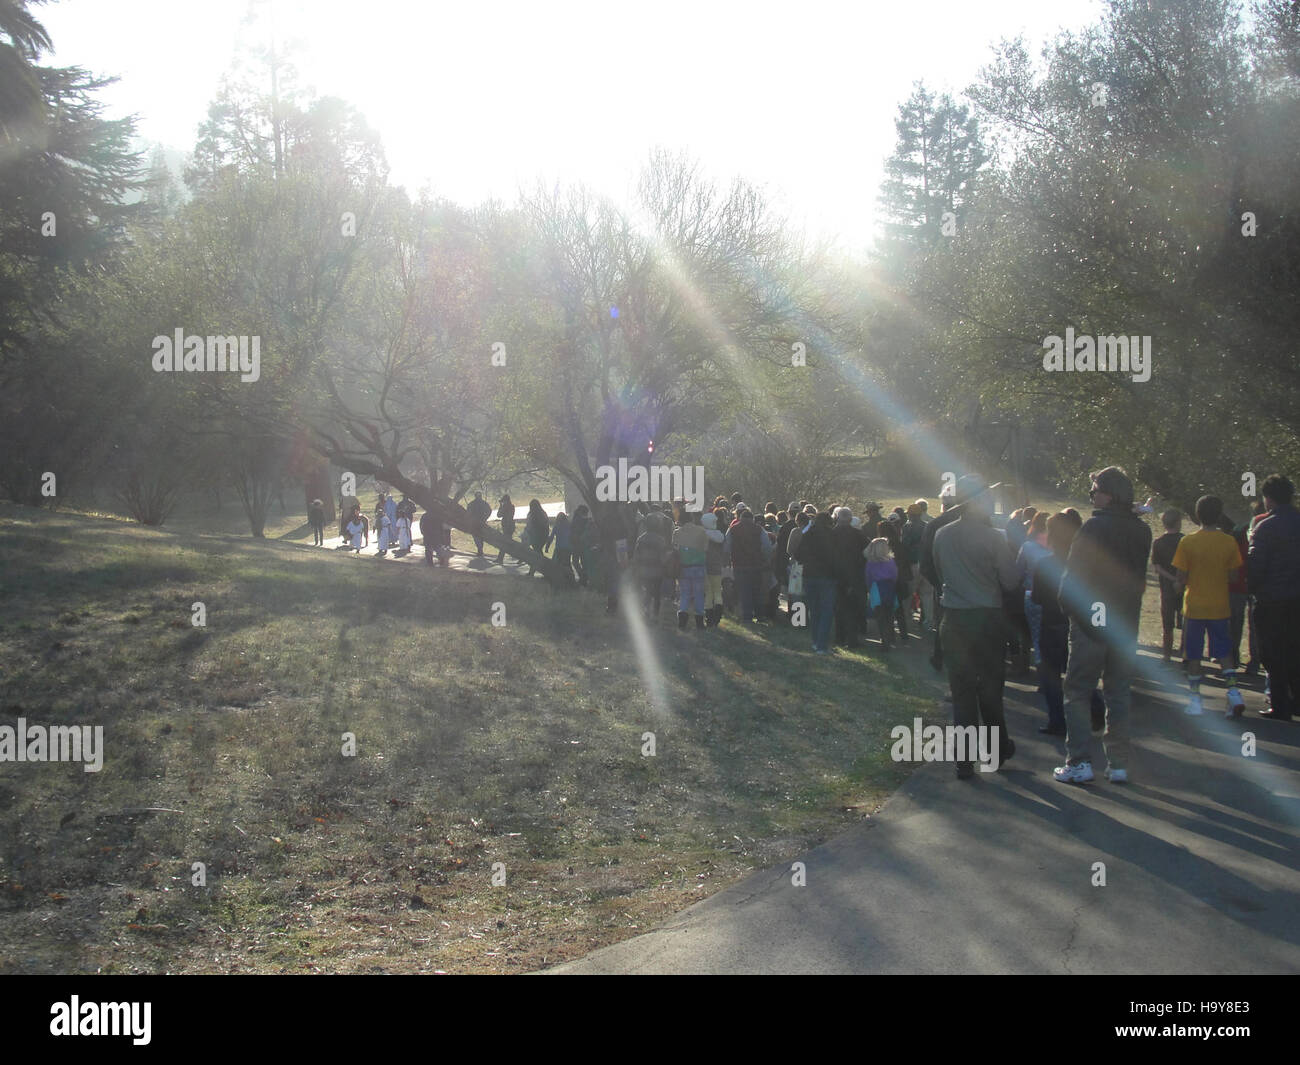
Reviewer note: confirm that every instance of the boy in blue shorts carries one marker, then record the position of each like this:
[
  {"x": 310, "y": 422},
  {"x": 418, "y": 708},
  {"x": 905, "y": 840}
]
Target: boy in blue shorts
[{"x": 1206, "y": 561}]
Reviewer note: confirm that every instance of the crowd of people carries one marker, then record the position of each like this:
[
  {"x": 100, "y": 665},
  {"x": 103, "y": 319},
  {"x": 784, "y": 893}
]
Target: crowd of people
[{"x": 1053, "y": 593}]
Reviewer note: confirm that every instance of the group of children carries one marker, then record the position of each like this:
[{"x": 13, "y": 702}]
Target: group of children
[{"x": 392, "y": 523}]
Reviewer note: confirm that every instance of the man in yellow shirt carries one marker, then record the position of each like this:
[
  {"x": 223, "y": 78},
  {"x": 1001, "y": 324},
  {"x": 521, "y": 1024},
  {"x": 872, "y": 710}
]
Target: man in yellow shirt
[{"x": 1207, "y": 561}]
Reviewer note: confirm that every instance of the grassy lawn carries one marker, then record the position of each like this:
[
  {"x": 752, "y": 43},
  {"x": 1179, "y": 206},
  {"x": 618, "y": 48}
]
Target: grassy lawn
[{"x": 476, "y": 745}]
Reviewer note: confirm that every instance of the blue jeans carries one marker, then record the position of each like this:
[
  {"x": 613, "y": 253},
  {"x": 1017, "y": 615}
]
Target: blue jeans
[
  {"x": 691, "y": 583},
  {"x": 819, "y": 593},
  {"x": 1034, "y": 614}
]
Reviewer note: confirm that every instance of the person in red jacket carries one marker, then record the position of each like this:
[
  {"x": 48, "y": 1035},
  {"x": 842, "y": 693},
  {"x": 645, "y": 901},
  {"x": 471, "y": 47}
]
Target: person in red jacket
[{"x": 747, "y": 563}]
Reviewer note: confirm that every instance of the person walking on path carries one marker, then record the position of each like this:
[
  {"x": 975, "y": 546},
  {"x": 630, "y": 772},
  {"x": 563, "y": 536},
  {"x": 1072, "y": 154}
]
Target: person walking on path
[
  {"x": 1101, "y": 593},
  {"x": 881, "y": 578},
  {"x": 355, "y": 528},
  {"x": 1162, "y": 561},
  {"x": 713, "y": 570},
  {"x": 316, "y": 518},
  {"x": 405, "y": 517},
  {"x": 648, "y": 557},
  {"x": 847, "y": 547},
  {"x": 561, "y": 533},
  {"x": 975, "y": 570},
  {"x": 951, "y": 513},
  {"x": 383, "y": 526},
  {"x": 913, "y": 533},
  {"x": 537, "y": 530},
  {"x": 691, "y": 542},
  {"x": 1054, "y": 625},
  {"x": 1273, "y": 575},
  {"x": 745, "y": 537},
  {"x": 429, "y": 534},
  {"x": 581, "y": 534},
  {"x": 479, "y": 510},
  {"x": 1206, "y": 562},
  {"x": 1031, "y": 552},
  {"x": 815, "y": 552},
  {"x": 506, "y": 512}
]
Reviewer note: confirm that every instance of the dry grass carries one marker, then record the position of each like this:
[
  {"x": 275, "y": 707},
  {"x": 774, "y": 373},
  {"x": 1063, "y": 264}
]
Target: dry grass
[{"x": 476, "y": 745}]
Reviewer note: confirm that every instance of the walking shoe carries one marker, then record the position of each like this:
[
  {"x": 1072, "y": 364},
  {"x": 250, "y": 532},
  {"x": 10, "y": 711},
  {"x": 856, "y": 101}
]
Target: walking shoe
[
  {"x": 1194, "y": 708},
  {"x": 1079, "y": 773},
  {"x": 1116, "y": 776},
  {"x": 1236, "y": 704}
]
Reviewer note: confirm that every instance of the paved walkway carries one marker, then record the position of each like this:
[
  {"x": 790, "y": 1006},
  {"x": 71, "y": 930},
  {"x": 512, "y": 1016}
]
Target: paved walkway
[{"x": 995, "y": 875}]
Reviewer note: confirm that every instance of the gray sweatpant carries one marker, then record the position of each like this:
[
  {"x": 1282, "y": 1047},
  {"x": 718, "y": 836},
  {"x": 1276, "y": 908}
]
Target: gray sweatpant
[{"x": 1090, "y": 661}]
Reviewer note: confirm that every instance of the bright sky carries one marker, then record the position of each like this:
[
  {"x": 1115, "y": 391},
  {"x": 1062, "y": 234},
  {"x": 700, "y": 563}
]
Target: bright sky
[{"x": 478, "y": 100}]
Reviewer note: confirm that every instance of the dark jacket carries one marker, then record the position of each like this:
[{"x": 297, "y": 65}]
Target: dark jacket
[
  {"x": 928, "y": 569},
  {"x": 746, "y": 547},
  {"x": 913, "y": 534},
  {"x": 847, "y": 544},
  {"x": 1273, "y": 566},
  {"x": 815, "y": 551},
  {"x": 649, "y": 554},
  {"x": 781, "y": 557},
  {"x": 1108, "y": 564},
  {"x": 479, "y": 510}
]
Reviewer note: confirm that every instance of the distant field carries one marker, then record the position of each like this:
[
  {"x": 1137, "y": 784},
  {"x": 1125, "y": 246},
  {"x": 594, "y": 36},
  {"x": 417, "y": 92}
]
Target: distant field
[{"x": 475, "y": 745}]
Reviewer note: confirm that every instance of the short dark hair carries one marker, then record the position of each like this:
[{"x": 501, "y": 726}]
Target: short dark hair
[
  {"x": 1278, "y": 488},
  {"x": 1171, "y": 518},
  {"x": 1208, "y": 511}
]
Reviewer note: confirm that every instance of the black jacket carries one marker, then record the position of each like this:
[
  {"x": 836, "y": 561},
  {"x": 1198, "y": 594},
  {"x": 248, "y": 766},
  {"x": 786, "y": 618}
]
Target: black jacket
[
  {"x": 1273, "y": 565},
  {"x": 816, "y": 552},
  {"x": 1108, "y": 565},
  {"x": 847, "y": 562},
  {"x": 928, "y": 569}
]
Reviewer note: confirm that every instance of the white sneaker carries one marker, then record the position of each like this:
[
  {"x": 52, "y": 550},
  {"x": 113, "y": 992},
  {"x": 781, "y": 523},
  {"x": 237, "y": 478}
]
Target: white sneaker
[
  {"x": 1116, "y": 776},
  {"x": 1080, "y": 773},
  {"x": 1236, "y": 704},
  {"x": 1194, "y": 708}
]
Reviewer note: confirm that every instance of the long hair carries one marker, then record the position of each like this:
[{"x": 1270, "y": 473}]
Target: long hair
[
  {"x": 878, "y": 550},
  {"x": 1062, "y": 528}
]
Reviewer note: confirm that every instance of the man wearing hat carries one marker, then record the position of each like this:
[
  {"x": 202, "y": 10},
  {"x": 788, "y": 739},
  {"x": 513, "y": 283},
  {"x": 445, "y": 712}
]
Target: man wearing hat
[
  {"x": 1101, "y": 593},
  {"x": 950, "y": 513},
  {"x": 974, "y": 567}
]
